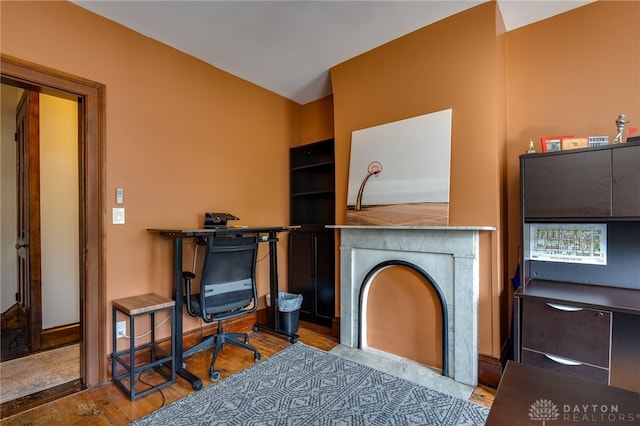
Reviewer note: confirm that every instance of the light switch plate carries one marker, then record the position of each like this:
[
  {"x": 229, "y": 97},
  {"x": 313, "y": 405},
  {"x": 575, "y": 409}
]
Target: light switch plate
[
  {"x": 119, "y": 196},
  {"x": 118, "y": 216}
]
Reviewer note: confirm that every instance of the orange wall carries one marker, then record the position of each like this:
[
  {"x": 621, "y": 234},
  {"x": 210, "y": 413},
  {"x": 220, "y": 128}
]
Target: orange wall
[
  {"x": 571, "y": 74},
  {"x": 408, "y": 302},
  {"x": 317, "y": 120},
  {"x": 182, "y": 138},
  {"x": 455, "y": 64}
]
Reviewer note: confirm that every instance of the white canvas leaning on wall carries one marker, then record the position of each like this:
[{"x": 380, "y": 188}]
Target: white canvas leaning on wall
[{"x": 399, "y": 172}]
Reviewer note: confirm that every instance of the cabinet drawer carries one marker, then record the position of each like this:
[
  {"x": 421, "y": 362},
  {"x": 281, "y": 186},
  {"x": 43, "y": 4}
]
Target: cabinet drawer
[
  {"x": 569, "y": 332},
  {"x": 596, "y": 374}
]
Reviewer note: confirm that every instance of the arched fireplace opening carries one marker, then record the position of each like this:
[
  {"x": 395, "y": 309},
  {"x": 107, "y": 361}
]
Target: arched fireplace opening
[
  {"x": 403, "y": 311},
  {"x": 451, "y": 256}
]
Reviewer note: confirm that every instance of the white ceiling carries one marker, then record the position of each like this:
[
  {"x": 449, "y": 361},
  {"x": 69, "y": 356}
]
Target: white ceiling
[{"x": 288, "y": 47}]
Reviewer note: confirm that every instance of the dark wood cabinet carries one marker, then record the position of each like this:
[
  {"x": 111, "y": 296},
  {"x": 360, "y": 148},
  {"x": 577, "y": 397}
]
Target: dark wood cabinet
[
  {"x": 587, "y": 183},
  {"x": 311, "y": 273},
  {"x": 312, "y": 247},
  {"x": 596, "y": 338},
  {"x": 573, "y": 318}
]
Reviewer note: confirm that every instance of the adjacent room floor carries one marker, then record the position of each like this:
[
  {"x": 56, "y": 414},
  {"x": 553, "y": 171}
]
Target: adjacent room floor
[{"x": 43, "y": 370}]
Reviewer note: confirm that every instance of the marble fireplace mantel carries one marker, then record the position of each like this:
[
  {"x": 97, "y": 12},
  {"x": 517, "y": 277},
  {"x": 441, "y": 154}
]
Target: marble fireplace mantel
[{"x": 449, "y": 254}]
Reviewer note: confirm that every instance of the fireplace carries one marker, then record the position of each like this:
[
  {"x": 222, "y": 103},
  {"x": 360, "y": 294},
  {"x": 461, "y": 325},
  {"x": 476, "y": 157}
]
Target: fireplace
[{"x": 448, "y": 254}]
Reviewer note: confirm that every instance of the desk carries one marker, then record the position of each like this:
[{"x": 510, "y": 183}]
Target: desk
[
  {"x": 267, "y": 234},
  {"x": 559, "y": 398}
]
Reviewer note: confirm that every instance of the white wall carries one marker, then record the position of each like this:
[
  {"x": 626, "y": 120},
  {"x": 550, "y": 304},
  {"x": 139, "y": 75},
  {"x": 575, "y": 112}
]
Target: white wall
[{"x": 59, "y": 195}]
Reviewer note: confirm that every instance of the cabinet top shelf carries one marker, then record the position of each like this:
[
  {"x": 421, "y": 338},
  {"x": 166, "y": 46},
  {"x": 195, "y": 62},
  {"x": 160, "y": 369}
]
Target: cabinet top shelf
[
  {"x": 590, "y": 296},
  {"x": 593, "y": 148},
  {"x": 328, "y": 192},
  {"x": 579, "y": 219},
  {"x": 313, "y": 165}
]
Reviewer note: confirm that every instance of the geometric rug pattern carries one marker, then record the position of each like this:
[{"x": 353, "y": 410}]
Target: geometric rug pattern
[{"x": 302, "y": 385}]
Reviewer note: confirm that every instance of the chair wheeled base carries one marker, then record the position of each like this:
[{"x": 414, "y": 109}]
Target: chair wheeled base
[{"x": 221, "y": 338}]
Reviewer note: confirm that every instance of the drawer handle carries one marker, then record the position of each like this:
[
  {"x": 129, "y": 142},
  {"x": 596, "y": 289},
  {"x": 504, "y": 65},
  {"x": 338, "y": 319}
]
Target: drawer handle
[
  {"x": 563, "y": 361},
  {"x": 565, "y": 308}
]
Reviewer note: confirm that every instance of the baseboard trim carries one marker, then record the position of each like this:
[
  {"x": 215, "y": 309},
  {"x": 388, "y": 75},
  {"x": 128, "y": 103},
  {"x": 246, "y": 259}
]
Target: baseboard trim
[
  {"x": 242, "y": 324},
  {"x": 489, "y": 371},
  {"x": 489, "y": 368},
  {"x": 61, "y": 336},
  {"x": 335, "y": 328}
]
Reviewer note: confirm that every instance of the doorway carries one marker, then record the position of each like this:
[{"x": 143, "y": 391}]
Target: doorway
[
  {"x": 40, "y": 223},
  {"x": 90, "y": 105}
]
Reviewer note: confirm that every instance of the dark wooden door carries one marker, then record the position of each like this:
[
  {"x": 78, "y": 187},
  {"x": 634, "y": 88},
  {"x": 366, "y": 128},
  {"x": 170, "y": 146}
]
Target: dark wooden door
[
  {"x": 301, "y": 271},
  {"x": 28, "y": 216},
  {"x": 567, "y": 185},
  {"x": 325, "y": 276},
  {"x": 311, "y": 273},
  {"x": 626, "y": 181}
]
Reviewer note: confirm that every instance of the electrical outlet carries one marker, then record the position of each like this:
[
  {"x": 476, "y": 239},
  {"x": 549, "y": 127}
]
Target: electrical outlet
[{"x": 121, "y": 329}]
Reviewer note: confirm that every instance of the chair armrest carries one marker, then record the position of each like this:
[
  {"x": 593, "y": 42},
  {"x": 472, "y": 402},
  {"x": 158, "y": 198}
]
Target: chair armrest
[{"x": 187, "y": 276}]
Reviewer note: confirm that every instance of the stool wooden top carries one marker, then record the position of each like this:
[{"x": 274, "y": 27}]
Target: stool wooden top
[{"x": 137, "y": 305}]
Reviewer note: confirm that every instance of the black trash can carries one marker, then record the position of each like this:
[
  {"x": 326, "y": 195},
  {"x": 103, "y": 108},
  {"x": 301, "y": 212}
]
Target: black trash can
[{"x": 289, "y": 310}]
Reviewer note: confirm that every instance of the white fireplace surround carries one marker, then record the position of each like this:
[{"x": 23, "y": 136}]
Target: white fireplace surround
[{"x": 449, "y": 254}]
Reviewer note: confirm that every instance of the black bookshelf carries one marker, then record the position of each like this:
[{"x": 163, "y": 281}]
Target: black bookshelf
[{"x": 312, "y": 247}]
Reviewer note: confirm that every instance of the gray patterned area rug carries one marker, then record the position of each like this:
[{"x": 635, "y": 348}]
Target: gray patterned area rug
[{"x": 302, "y": 385}]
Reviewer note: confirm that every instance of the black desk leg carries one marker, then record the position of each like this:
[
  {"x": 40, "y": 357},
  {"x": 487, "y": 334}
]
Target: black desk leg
[
  {"x": 273, "y": 279},
  {"x": 273, "y": 288},
  {"x": 196, "y": 383}
]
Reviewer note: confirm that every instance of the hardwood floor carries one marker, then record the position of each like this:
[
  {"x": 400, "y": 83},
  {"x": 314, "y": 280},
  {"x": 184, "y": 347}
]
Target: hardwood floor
[
  {"x": 107, "y": 405},
  {"x": 47, "y": 369}
]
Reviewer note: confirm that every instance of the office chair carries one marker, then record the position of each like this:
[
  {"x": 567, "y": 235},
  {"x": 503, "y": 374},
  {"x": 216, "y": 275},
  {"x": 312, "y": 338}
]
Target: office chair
[{"x": 227, "y": 290}]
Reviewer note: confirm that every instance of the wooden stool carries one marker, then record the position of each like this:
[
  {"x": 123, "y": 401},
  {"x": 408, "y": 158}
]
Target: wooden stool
[{"x": 157, "y": 359}]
